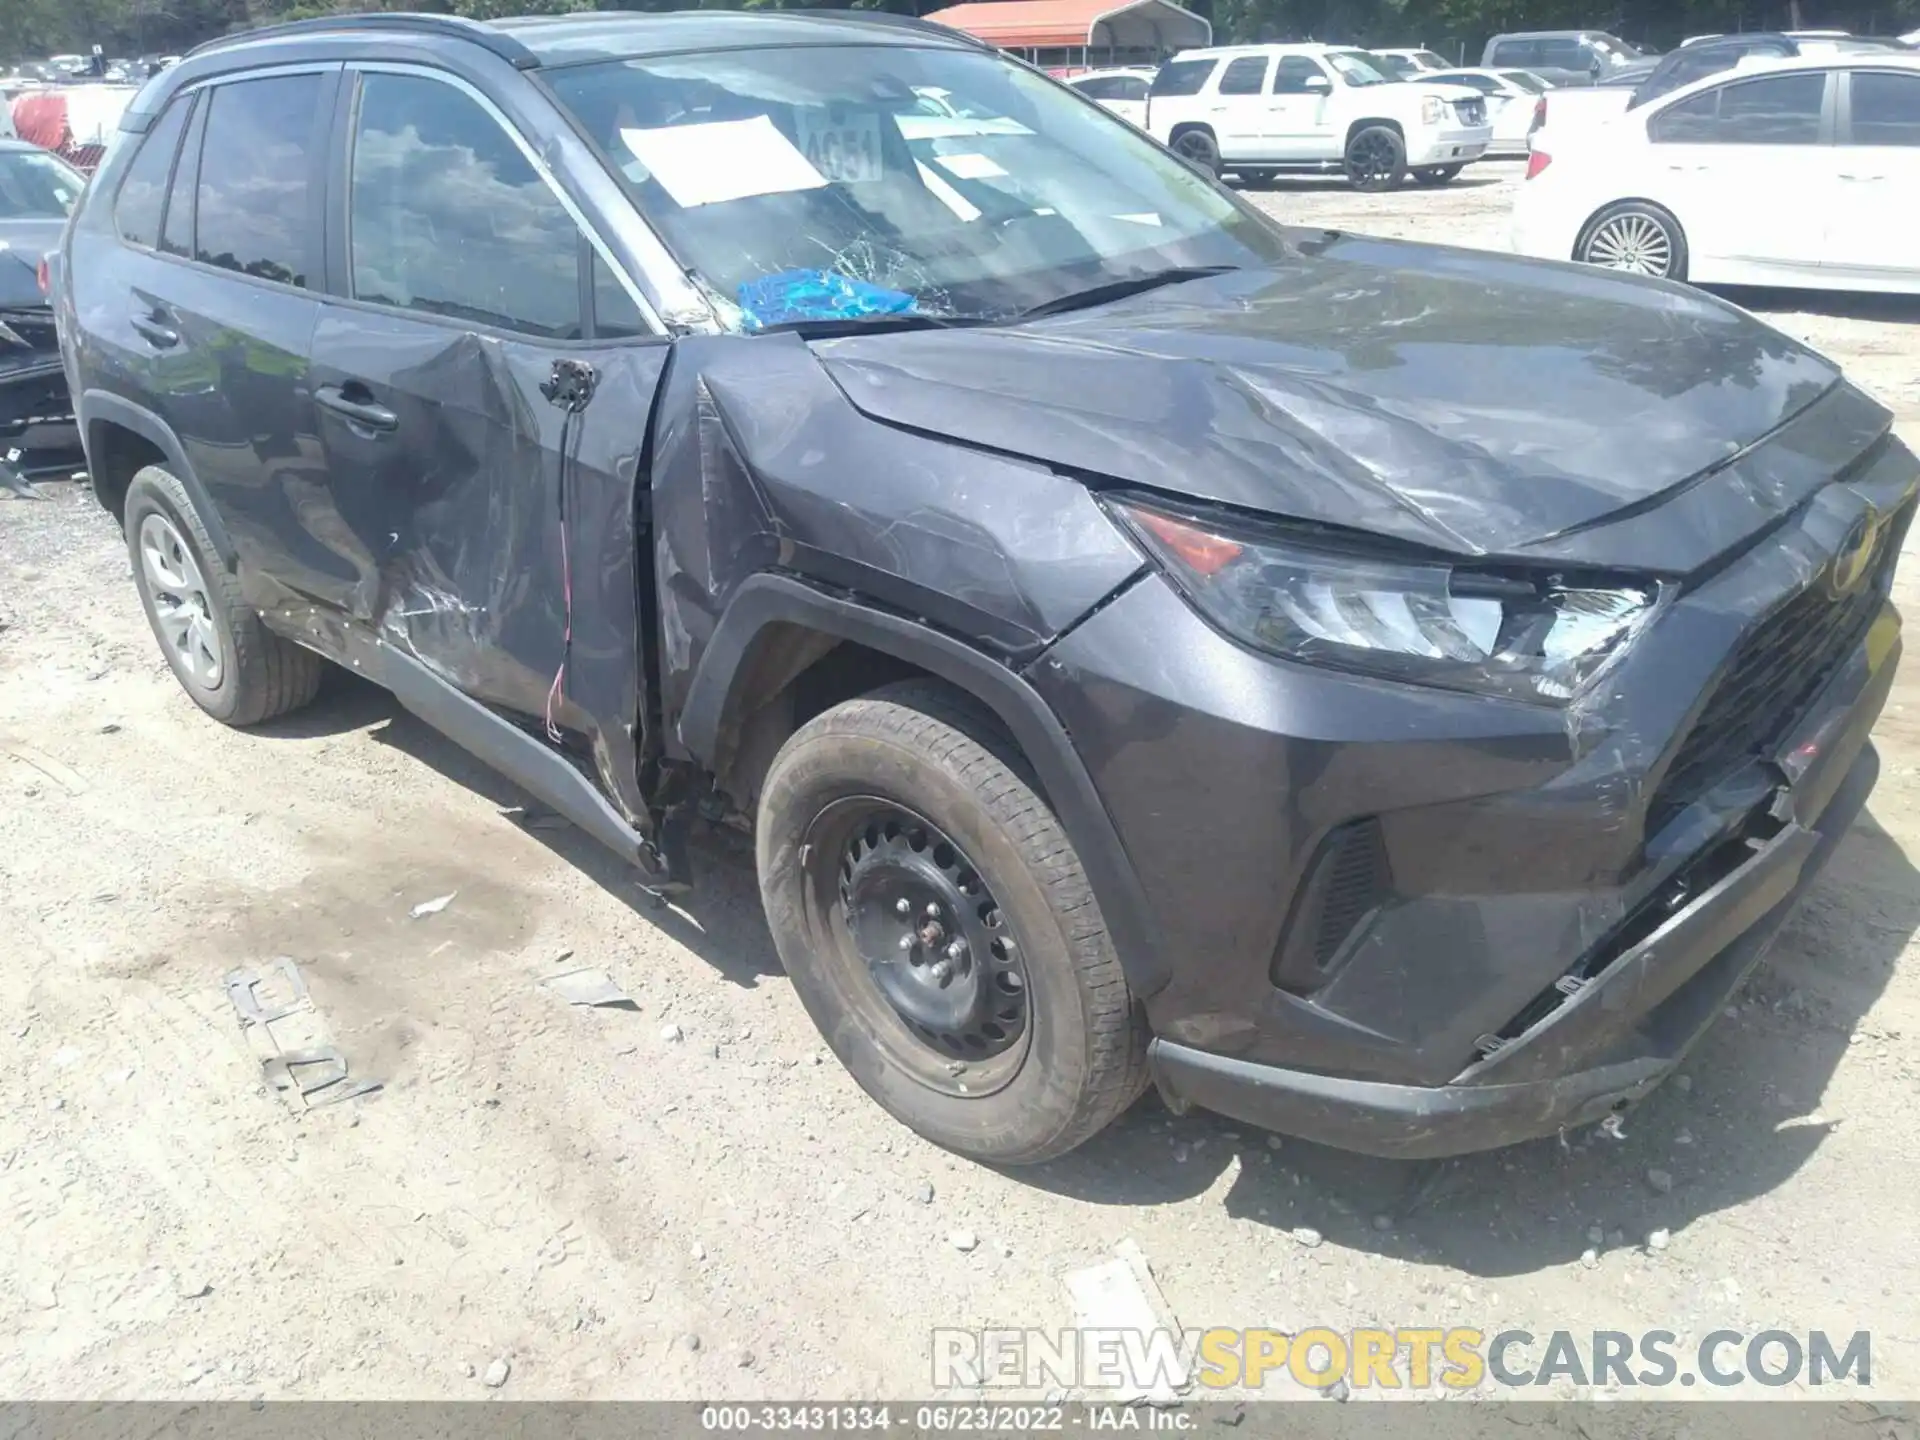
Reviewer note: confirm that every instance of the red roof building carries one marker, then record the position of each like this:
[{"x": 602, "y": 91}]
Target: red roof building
[{"x": 1077, "y": 33}]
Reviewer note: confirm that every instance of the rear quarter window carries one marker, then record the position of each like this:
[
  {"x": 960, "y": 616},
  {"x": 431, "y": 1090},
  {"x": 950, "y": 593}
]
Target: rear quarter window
[
  {"x": 1181, "y": 77},
  {"x": 143, "y": 189}
]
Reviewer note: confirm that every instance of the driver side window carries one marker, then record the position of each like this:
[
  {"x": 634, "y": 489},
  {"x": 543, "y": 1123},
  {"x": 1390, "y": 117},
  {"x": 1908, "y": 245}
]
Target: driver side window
[{"x": 434, "y": 177}]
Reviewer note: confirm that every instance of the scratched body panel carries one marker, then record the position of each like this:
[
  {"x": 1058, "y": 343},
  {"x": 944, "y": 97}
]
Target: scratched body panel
[
  {"x": 445, "y": 533},
  {"x": 761, "y": 462}
]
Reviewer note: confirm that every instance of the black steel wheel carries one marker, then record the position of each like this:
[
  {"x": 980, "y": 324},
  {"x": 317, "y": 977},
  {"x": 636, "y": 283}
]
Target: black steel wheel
[
  {"x": 938, "y": 926},
  {"x": 917, "y": 918},
  {"x": 1376, "y": 158}
]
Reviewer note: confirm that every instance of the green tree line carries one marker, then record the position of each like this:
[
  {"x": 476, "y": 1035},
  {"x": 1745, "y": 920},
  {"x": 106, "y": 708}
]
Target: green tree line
[{"x": 34, "y": 28}]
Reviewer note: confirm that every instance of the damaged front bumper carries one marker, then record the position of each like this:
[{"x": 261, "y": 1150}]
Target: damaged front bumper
[
  {"x": 1618, "y": 1035},
  {"x": 38, "y": 432},
  {"x": 1418, "y": 924}
]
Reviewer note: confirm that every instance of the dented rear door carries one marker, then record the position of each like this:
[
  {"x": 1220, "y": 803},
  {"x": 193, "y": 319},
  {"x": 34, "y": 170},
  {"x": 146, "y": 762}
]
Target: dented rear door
[{"x": 482, "y": 389}]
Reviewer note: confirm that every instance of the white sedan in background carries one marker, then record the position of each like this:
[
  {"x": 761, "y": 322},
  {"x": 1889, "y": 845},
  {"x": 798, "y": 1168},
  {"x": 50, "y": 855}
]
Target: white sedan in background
[
  {"x": 1794, "y": 172},
  {"x": 1515, "y": 103},
  {"x": 1123, "y": 91}
]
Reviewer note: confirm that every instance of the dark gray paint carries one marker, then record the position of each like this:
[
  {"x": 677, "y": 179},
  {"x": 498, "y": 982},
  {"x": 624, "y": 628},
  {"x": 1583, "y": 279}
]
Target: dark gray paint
[{"x": 929, "y": 495}]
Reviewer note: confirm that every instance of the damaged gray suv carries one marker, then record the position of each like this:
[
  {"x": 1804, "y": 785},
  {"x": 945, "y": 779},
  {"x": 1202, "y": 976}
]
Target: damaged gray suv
[{"x": 1388, "y": 694}]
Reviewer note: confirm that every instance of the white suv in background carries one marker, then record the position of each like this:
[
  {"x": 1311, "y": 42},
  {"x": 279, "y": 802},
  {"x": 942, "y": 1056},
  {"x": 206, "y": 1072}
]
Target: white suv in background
[{"x": 1260, "y": 109}]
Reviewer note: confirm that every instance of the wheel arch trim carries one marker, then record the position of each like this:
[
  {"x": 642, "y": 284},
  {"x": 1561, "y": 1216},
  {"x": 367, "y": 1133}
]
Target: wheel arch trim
[
  {"x": 100, "y": 406},
  {"x": 769, "y": 600}
]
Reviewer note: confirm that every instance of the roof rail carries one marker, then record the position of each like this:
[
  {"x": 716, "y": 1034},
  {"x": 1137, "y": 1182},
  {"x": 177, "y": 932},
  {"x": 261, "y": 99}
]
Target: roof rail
[{"x": 453, "y": 26}]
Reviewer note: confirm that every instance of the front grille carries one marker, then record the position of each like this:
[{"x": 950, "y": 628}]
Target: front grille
[
  {"x": 1472, "y": 112},
  {"x": 1773, "y": 676}
]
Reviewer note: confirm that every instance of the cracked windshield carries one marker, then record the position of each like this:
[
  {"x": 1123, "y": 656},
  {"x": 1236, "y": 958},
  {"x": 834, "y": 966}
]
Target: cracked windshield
[{"x": 883, "y": 181}]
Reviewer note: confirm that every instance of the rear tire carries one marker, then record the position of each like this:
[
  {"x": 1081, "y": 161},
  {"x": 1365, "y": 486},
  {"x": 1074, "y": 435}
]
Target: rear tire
[
  {"x": 1198, "y": 148},
  {"x": 1376, "y": 159},
  {"x": 230, "y": 664},
  {"x": 899, "y": 833},
  {"x": 1437, "y": 174},
  {"x": 1635, "y": 237}
]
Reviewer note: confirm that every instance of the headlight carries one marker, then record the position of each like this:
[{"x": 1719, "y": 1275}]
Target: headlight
[
  {"x": 1428, "y": 622},
  {"x": 1433, "y": 110}
]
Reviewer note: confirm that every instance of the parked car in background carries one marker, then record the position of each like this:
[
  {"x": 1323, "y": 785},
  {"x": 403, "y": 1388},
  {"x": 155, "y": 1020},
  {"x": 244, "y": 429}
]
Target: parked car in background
[
  {"x": 1516, "y": 104},
  {"x": 1410, "y": 64},
  {"x": 1696, "y": 60},
  {"x": 1123, "y": 91},
  {"x": 1387, "y": 693},
  {"x": 1566, "y": 57},
  {"x": 37, "y": 433},
  {"x": 1797, "y": 172},
  {"x": 1257, "y": 110}
]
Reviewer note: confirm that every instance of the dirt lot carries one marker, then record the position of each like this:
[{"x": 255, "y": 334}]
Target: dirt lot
[{"x": 686, "y": 1199}]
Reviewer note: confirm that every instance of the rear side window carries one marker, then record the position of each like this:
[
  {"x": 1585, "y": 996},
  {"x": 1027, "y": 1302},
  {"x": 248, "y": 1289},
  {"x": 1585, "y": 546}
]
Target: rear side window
[
  {"x": 1566, "y": 55},
  {"x": 1128, "y": 87},
  {"x": 1516, "y": 52},
  {"x": 1244, "y": 76},
  {"x": 1886, "y": 108},
  {"x": 1784, "y": 110},
  {"x": 143, "y": 190},
  {"x": 436, "y": 177},
  {"x": 253, "y": 206},
  {"x": 1181, "y": 77},
  {"x": 1780, "y": 110}
]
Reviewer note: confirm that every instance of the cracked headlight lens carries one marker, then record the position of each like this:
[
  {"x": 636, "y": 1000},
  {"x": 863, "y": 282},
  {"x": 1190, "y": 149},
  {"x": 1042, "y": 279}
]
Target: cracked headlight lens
[{"x": 1542, "y": 639}]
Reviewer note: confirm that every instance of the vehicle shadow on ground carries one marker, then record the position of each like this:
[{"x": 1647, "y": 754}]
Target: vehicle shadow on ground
[
  {"x": 722, "y": 921},
  {"x": 1741, "y": 1118}
]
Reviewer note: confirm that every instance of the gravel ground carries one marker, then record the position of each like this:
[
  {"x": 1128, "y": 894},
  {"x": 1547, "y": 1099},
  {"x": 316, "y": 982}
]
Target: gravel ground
[{"x": 685, "y": 1198}]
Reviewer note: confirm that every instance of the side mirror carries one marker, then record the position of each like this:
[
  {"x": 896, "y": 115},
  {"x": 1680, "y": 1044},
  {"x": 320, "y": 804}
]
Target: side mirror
[{"x": 1317, "y": 85}]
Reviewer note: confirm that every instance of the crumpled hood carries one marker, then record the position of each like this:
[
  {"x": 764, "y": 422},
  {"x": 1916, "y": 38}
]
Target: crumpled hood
[{"x": 1473, "y": 402}]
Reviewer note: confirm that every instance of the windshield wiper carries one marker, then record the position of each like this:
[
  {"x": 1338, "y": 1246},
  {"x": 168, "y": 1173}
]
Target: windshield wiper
[
  {"x": 825, "y": 327},
  {"x": 1121, "y": 289}
]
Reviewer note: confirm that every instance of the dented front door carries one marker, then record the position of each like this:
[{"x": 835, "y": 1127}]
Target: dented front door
[{"x": 482, "y": 449}]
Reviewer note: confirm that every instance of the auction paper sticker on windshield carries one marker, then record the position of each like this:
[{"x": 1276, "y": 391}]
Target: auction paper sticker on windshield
[
  {"x": 845, "y": 149},
  {"x": 722, "y": 160}
]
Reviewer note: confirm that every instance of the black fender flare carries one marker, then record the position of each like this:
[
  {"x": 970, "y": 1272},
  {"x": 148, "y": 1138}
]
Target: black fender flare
[
  {"x": 768, "y": 599},
  {"x": 98, "y": 406}
]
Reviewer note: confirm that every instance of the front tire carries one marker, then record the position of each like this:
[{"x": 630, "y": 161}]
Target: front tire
[
  {"x": 1376, "y": 159},
  {"x": 938, "y": 927},
  {"x": 1636, "y": 237},
  {"x": 1437, "y": 174},
  {"x": 230, "y": 664}
]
